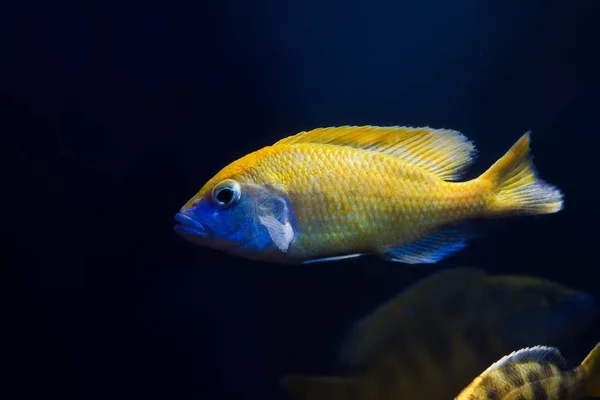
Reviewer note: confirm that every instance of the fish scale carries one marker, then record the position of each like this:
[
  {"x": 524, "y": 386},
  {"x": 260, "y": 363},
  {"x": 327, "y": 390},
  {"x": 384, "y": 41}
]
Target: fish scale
[{"x": 393, "y": 188}]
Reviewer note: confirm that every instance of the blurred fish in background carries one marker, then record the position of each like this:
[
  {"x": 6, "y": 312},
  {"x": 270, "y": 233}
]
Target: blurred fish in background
[
  {"x": 537, "y": 373},
  {"x": 434, "y": 338}
]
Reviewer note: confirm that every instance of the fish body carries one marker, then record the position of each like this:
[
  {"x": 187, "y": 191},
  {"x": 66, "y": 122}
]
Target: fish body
[
  {"x": 434, "y": 338},
  {"x": 334, "y": 193},
  {"x": 537, "y": 373}
]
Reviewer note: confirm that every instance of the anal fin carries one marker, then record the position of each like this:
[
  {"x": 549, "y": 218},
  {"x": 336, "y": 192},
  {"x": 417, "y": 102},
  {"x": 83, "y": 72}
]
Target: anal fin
[{"x": 432, "y": 248}]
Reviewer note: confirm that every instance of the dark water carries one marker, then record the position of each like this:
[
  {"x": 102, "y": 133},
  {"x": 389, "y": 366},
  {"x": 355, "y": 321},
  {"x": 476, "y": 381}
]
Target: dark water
[{"x": 114, "y": 113}]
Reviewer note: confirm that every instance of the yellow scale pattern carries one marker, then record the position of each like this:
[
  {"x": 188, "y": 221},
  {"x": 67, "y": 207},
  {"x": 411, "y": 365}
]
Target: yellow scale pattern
[
  {"x": 529, "y": 380},
  {"x": 351, "y": 198}
]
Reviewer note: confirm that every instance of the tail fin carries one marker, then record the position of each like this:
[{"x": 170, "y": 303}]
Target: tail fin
[
  {"x": 517, "y": 187},
  {"x": 591, "y": 365},
  {"x": 299, "y": 387}
]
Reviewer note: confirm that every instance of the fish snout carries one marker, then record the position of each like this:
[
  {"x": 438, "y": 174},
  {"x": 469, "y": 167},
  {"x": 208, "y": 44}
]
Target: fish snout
[{"x": 188, "y": 226}]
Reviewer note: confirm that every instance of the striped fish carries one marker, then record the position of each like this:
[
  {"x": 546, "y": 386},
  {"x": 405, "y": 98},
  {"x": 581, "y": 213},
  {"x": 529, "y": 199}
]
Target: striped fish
[
  {"x": 435, "y": 337},
  {"x": 536, "y": 373}
]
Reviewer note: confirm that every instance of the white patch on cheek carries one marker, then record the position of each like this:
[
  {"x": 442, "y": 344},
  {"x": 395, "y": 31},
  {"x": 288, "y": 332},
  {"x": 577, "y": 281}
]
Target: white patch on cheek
[{"x": 281, "y": 234}]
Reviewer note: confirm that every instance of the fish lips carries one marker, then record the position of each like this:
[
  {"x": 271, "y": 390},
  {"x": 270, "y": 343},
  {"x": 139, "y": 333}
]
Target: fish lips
[{"x": 189, "y": 227}]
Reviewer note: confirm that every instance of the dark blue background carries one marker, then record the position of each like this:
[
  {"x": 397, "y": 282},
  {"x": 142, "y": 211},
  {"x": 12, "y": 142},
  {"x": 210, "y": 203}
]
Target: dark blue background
[{"x": 114, "y": 113}]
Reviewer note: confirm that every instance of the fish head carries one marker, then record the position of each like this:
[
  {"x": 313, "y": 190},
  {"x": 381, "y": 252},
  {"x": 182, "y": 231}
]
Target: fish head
[
  {"x": 238, "y": 215},
  {"x": 540, "y": 311}
]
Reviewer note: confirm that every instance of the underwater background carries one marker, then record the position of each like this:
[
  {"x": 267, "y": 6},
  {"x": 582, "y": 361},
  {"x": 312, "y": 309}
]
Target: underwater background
[{"x": 114, "y": 113}]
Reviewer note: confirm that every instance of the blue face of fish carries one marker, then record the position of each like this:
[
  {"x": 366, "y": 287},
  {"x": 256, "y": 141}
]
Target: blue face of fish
[{"x": 237, "y": 218}]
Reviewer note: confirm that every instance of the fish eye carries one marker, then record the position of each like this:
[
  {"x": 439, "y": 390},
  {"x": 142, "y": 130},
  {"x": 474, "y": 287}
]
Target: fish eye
[{"x": 227, "y": 193}]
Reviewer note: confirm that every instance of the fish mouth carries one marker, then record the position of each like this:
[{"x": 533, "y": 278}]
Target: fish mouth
[{"x": 189, "y": 226}]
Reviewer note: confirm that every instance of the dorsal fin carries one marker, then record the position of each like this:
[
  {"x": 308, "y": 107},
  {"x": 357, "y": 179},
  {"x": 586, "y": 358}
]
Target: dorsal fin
[
  {"x": 539, "y": 354},
  {"x": 443, "y": 152}
]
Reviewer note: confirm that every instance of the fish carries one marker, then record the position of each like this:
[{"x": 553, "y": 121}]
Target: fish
[
  {"x": 341, "y": 192},
  {"x": 432, "y": 339},
  {"x": 537, "y": 373}
]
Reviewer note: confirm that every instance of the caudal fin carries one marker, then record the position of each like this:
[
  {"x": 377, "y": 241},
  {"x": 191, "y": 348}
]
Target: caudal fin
[
  {"x": 591, "y": 366},
  {"x": 299, "y": 387},
  {"x": 517, "y": 188}
]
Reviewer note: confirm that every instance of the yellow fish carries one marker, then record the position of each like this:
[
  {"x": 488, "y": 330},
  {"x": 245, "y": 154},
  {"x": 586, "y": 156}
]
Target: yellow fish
[
  {"x": 341, "y": 192},
  {"x": 537, "y": 373},
  {"x": 435, "y": 337}
]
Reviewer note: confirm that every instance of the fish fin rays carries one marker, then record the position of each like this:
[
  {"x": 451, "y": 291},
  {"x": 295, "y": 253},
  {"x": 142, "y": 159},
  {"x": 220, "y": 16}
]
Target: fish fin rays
[
  {"x": 282, "y": 234},
  {"x": 433, "y": 248},
  {"x": 371, "y": 335},
  {"x": 518, "y": 188},
  {"x": 443, "y": 152},
  {"x": 307, "y": 387},
  {"x": 538, "y": 354}
]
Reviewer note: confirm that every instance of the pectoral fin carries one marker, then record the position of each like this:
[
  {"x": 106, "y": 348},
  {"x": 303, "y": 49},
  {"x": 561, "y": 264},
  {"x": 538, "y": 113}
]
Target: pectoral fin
[{"x": 281, "y": 234}]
